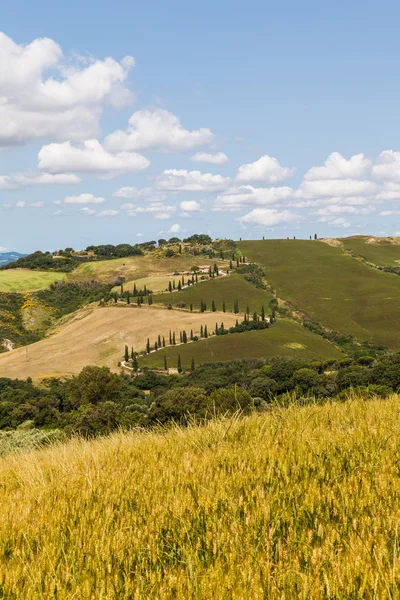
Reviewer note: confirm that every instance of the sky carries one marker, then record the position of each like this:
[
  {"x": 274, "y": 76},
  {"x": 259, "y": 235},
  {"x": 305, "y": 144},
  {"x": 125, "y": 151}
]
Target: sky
[{"x": 130, "y": 121}]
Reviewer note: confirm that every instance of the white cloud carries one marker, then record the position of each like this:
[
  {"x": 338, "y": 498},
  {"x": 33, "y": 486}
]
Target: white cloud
[
  {"x": 338, "y": 222},
  {"x": 139, "y": 235},
  {"x": 107, "y": 213},
  {"x": 89, "y": 156},
  {"x": 37, "y": 204},
  {"x": 219, "y": 158},
  {"x": 12, "y": 182},
  {"x": 3, "y": 249},
  {"x": 265, "y": 169},
  {"x": 21, "y": 204},
  {"x": 390, "y": 191},
  {"x": 337, "y": 167},
  {"x": 174, "y": 228},
  {"x": 269, "y": 217},
  {"x": 88, "y": 212},
  {"x": 247, "y": 195},
  {"x": 389, "y": 213},
  {"x": 336, "y": 187},
  {"x": 190, "y": 205},
  {"x": 157, "y": 129},
  {"x": 191, "y": 181},
  {"x": 83, "y": 199},
  {"x": 388, "y": 166},
  {"x": 157, "y": 209},
  {"x": 42, "y": 97},
  {"x": 148, "y": 194},
  {"x": 335, "y": 209}
]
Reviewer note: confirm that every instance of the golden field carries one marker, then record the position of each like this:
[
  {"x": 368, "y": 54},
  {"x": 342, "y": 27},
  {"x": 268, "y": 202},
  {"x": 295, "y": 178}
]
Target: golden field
[{"x": 297, "y": 503}]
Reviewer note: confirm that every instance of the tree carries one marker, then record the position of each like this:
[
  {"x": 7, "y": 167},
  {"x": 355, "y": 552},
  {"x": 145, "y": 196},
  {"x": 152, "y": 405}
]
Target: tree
[
  {"x": 132, "y": 353},
  {"x": 236, "y": 307},
  {"x": 155, "y": 346},
  {"x": 263, "y": 313},
  {"x": 134, "y": 289},
  {"x": 254, "y": 316},
  {"x": 216, "y": 270},
  {"x": 315, "y": 236},
  {"x": 165, "y": 363},
  {"x": 201, "y": 331},
  {"x": 159, "y": 340},
  {"x": 205, "y": 331},
  {"x": 135, "y": 364},
  {"x": 184, "y": 337},
  {"x": 169, "y": 286},
  {"x": 170, "y": 338},
  {"x": 179, "y": 364},
  {"x": 163, "y": 342},
  {"x": 128, "y": 297},
  {"x": 148, "y": 347},
  {"x": 173, "y": 339},
  {"x": 191, "y": 307},
  {"x": 230, "y": 265},
  {"x": 192, "y": 365},
  {"x": 213, "y": 307},
  {"x": 179, "y": 286},
  {"x": 191, "y": 335},
  {"x": 180, "y": 337},
  {"x": 228, "y": 401},
  {"x": 126, "y": 353}
]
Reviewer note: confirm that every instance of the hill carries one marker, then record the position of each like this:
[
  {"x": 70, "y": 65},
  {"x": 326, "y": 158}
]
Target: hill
[
  {"x": 96, "y": 336},
  {"x": 332, "y": 288},
  {"x": 383, "y": 252},
  {"x": 220, "y": 289},
  {"x": 20, "y": 281},
  {"x": 285, "y": 338},
  {"x": 9, "y": 257},
  {"x": 296, "y": 503}
]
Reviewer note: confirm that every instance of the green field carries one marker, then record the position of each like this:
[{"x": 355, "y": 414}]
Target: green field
[
  {"x": 234, "y": 287},
  {"x": 155, "y": 283},
  {"x": 21, "y": 281},
  {"x": 382, "y": 252},
  {"x": 285, "y": 338},
  {"x": 332, "y": 288}
]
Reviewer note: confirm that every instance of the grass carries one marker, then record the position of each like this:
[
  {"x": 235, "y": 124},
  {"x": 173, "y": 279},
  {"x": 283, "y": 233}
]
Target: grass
[
  {"x": 234, "y": 287},
  {"x": 97, "y": 336},
  {"x": 332, "y": 288},
  {"x": 155, "y": 283},
  {"x": 299, "y": 503},
  {"x": 21, "y": 281},
  {"x": 135, "y": 267},
  {"x": 382, "y": 252},
  {"x": 286, "y": 338}
]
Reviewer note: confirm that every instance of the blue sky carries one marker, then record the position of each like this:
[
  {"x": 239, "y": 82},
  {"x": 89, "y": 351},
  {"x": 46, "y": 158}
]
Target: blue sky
[{"x": 131, "y": 121}]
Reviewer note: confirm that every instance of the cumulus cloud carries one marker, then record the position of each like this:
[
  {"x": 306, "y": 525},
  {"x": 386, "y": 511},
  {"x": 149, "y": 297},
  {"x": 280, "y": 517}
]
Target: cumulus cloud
[
  {"x": 107, "y": 213},
  {"x": 41, "y": 95},
  {"x": 335, "y": 209},
  {"x": 219, "y": 158},
  {"x": 389, "y": 213},
  {"x": 246, "y": 195},
  {"x": 388, "y": 166},
  {"x": 12, "y": 182},
  {"x": 83, "y": 199},
  {"x": 337, "y": 167},
  {"x": 265, "y": 169},
  {"x": 89, "y": 156},
  {"x": 157, "y": 209},
  {"x": 390, "y": 191},
  {"x": 336, "y": 187},
  {"x": 269, "y": 217},
  {"x": 190, "y": 205},
  {"x": 191, "y": 181},
  {"x": 174, "y": 228},
  {"x": 88, "y": 212},
  {"x": 148, "y": 194},
  {"x": 338, "y": 222},
  {"x": 157, "y": 129}
]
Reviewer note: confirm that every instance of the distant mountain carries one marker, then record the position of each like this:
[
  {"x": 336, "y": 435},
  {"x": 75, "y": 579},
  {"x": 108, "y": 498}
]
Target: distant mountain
[{"x": 9, "y": 257}]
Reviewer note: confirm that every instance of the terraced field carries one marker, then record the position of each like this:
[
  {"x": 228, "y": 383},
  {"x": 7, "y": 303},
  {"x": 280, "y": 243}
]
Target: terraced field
[
  {"x": 286, "y": 338},
  {"x": 21, "y": 281},
  {"x": 332, "y": 288},
  {"x": 379, "y": 251},
  {"x": 234, "y": 287}
]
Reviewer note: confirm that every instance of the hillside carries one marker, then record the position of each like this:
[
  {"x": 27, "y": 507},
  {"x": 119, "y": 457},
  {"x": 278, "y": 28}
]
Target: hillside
[
  {"x": 20, "y": 281},
  {"x": 332, "y": 288},
  {"x": 96, "y": 336},
  {"x": 286, "y": 338},
  {"x": 383, "y": 252},
  {"x": 297, "y": 503}
]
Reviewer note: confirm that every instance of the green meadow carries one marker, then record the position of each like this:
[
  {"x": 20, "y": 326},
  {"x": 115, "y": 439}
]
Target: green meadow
[
  {"x": 21, "y": 281},
  {"x": 381, "y": 252}
]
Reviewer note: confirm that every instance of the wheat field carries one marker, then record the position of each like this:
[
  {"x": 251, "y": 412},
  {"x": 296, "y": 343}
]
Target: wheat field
[{"x": 296, "y": 503}]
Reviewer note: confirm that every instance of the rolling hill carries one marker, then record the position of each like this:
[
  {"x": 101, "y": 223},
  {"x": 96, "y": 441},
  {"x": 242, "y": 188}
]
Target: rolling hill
[
  {"x": 383, "y": 252},
  {"x": 21, "y": 281},
  {"x": 332, "y": 288}
]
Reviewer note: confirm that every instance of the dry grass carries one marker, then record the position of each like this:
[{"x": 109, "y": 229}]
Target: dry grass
[
  {"x": 97, "y": 336},
  {"x": 296, "y": 504}
]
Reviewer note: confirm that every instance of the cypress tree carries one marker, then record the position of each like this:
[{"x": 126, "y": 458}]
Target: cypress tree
[
  {"x": 169, "y": 286},
  {"x": 135, "y": 363},
  {"x": 170, "y": 338},
  {"x": 191, "y": 307},
  {"x": 192, "y": 365},
  {"x": 201, "y": 331},
  {"x": 196, "y": 278},
  {"x": 205, "y": 331},
  {"x": 237, "y": 262},
  {"x": 173, "y": 339},
  {"x": 184, "y": 337},
  {"x": 236, "y": 307},
  {"x": 179, "y": 364},
  {"x": 180, "y": 337},
  {"x": 210, "y": 271},
  {"x": 223, "y": 306},
  {"x": 145, "y": 291},
  {"x": 183, "y": 280},
  {"x": 248, "y": 310},
  {"x": 254, "y": 316},
  {"x": 230, "y": 265},
  {"x": 263, "y": 313},
  {"x": 126, "y": 353},
  {"x": 132, "y": 353},
  {"x": 134, "y": 289},
  {"x": 128, "y": 297},
  {"x": 155, "y": 346},
  {"x": 216, "y": 329},
  {"x": 165, "y": 363},
  {"x": 159, "y": 341},
  {"x": 173, "y": 284},
  {"x": 163, "y": 342},
  {"x": 191, "y": 334},
  {"x": 179, "y": 286},
  {"x": 213, "y": 307},
  {"x": 192, "y": 278},
  {"x": 148, "y": 348}
]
